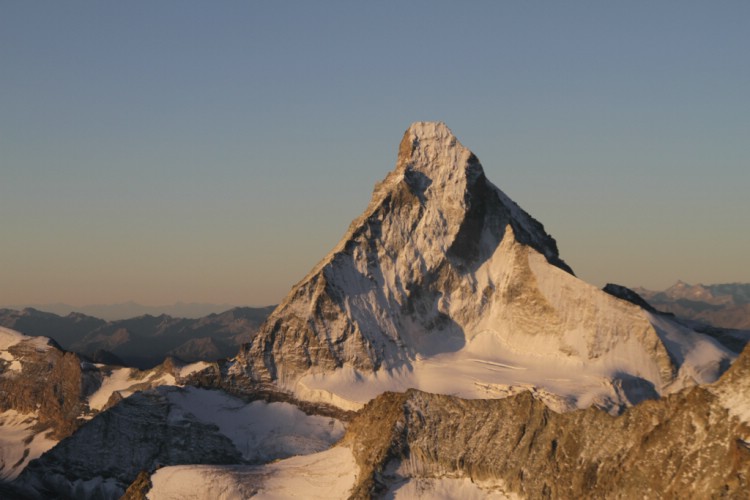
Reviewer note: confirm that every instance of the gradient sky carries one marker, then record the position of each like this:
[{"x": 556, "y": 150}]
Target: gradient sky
[{"x": 215, "y": 151}]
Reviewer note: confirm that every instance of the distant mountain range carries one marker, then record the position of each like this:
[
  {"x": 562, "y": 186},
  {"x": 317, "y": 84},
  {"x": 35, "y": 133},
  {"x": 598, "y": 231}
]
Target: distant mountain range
[
  {"x": 724, "y": 305},
  {"x": 130, "y": 309},
  {"x": 142, "y": 341}
]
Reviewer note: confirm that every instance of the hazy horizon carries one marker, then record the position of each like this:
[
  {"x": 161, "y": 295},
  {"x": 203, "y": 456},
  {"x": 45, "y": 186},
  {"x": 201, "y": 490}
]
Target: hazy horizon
[{"x": 214, "y": 153}]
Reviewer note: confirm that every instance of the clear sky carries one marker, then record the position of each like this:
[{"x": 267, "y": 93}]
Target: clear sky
[{"x": 214, "y": 151}]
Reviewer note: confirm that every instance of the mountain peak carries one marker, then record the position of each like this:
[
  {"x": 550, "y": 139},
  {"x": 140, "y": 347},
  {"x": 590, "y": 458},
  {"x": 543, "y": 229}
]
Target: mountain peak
[
  {"x": 430, "y": 148},
  {"x": 430, "y": 133},
  {"x": 444, "y": 270}
]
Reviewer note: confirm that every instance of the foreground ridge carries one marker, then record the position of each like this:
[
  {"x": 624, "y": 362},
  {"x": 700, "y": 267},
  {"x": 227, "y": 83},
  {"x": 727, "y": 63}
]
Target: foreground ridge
[{"x": 518, "y": 446}]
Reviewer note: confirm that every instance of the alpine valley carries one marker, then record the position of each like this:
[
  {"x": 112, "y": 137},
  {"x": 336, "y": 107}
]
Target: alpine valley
[{"x": 442, "y": 349}]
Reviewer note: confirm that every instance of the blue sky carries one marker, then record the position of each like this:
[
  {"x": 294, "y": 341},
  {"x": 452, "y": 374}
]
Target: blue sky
[{"x": 214, "y": 151}]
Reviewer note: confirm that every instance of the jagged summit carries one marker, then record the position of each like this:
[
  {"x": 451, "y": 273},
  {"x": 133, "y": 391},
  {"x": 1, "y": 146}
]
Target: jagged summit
[
  {"x": 445, "y": 284},
  {"x": 443, "y": 200},
  {"x": 431, "y": 148}
]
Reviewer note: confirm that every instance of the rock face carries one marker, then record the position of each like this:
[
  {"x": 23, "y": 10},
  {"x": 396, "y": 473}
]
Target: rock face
[
  {"x": 693, "y": 444},
  {"x": 625, "y": 293},
  {"x": 172, "y": 426},
  {"x": 46, "y": 394},
  {"x": 107, "y": 454},
  {"x": 443, "y": 268},
  {"x": 37, "y": 377}
]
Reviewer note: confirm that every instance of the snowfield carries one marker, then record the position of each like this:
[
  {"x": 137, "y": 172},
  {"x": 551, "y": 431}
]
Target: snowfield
[
  {"x": 126, "y": 381},
  {"x": 326, "y": 475},
  {"x": 448, "y": 488},
  {"x": 570, "y": 356},
  {"x": 260, "y": 431},
  {"x": 20, "y": 443},
  {"x": 9, "y": 338}
]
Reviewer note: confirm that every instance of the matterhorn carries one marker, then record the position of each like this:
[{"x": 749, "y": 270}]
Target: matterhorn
[{"x": 446, "y": 285}]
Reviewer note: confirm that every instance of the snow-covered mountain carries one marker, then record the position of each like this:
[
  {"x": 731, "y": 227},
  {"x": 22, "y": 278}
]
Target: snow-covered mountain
[
  {"x": 446, "y": 285},
  {"x": 172, "y": 426},
  {"x": 725, "y": 305},
  {"x": 46, "y": 394}
]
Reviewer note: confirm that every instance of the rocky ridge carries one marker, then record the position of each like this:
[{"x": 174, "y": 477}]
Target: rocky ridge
[
  {"x": 171, "y": 426},
  {"x": 695, "y": 443},
  {"x": 46, "y": 394}
]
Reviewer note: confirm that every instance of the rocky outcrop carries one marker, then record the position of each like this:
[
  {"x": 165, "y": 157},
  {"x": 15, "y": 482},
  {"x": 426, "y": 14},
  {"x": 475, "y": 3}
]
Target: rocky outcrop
[
  {"x": 691, "y": 444},
  {"x": 46, "y": 394},
  {"x": 625, "y": 293},
  {"x": 107, "y": 454},
  {"x": 138, "y": 488},
  {"x": 46, "y": 381},
  {"x": 173, "y": 426}
]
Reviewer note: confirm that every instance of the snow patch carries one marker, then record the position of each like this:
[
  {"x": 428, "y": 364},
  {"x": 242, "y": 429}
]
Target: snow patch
[
  {"x": 20, "y": 442},
  {"x": 564, "y": 340},
  {"x": 699, "y": 357},
  {"x": 326, "y": 475},
  {"x": 193, "y": 368},
  {"x": 10, "y": 338},
  {"x": 259, "y": 430},
  {"x": 119, "y": 380},
  {"x": 126, "y": 381},
  {"x": 448, "y": 488}
]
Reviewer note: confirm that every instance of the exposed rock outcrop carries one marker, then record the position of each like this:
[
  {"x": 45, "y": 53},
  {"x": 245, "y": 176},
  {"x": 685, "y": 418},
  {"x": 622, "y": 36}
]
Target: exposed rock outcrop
[
  {"x": 40, "y": 378},
  {"x": 695, "y": 444},
  {"x": 172, "y": 426},
  {"x": 106, "y": 455}
]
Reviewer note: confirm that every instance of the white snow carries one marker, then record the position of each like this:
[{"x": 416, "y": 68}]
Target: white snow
[
  {"x": 559, "y": 337},
  {"x": 193, "y": 368},
  {"x": 448, "y": 488},
  {"x": 738, "y": 403},
  {"x": 326, "y": 475},
  {"x": 734, "y": 395},
  {"x": 10, "y": 338},
  {"x": 119, "y": 380},
  {"x": 15, "y": 364},
  {"x": 698, "y": 355},
  {"x": 20, "y": 442},
  {"x": 259, "y": 430},
  {"x": 126, "y": 381}
]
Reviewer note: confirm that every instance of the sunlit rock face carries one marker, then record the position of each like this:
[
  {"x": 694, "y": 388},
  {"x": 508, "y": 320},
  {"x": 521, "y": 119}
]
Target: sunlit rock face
[
  {"x": 445, "y": 284},
  {"x": 692, "y": 444}
]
